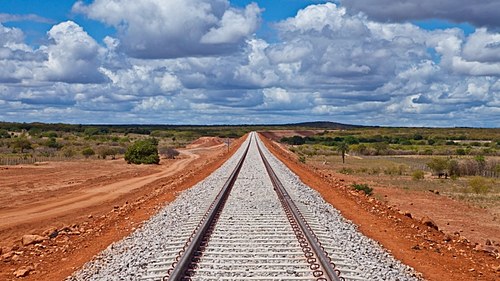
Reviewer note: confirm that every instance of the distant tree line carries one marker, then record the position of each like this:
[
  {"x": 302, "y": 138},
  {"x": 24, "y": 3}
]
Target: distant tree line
[{"x": 397, "y": 145}]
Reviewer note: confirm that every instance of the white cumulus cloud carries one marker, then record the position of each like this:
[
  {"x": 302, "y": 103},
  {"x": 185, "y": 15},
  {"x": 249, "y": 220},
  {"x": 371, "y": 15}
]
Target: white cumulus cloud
[
  {"x": 175, "y": 28},
  {"x": 74, "y": 57}
]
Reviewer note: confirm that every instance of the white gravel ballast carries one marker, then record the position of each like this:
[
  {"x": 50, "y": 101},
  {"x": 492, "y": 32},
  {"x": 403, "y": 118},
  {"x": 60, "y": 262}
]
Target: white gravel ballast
[{"x": 254, "y": 225}]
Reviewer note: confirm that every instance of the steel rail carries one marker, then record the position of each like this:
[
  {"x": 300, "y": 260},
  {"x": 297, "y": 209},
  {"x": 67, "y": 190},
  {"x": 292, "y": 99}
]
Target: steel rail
[
  {"x": 325, "y": 261},
  {"x": 181, "y": 267}
]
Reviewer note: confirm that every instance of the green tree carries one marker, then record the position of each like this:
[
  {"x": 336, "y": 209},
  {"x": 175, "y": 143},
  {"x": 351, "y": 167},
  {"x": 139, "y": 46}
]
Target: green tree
[
  {"x": 361, "y": 149},
  {"x": 91, "y": 131},
  {"x": 143, "y": 152},
  {"x": 343, "y": 148},
  {"x": 4, "y": 134},
  {"x": 295, "y": 140},
  {"x": 52, "y": 143},
  {"x": 438, "y": 165},
  {"x": 50, "y": 134},
  {"x": 22, "y": 143}
]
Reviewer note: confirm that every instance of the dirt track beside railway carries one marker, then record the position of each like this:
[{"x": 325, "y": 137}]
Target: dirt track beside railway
[{"x": 87, "y": 205}]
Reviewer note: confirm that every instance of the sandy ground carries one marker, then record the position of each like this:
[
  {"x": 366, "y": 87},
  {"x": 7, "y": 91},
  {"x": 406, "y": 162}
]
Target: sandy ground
[
  {"x": 90, "y": 203},
  {"x": 444, "y": 254}
]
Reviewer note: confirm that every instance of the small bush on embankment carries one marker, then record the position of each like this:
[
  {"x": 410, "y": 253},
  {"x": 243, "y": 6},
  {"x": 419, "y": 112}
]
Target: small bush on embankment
[{"x": 363, "y": 187}]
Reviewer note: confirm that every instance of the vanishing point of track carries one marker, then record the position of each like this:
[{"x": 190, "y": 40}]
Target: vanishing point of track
[{"x": 252, "y": 231}]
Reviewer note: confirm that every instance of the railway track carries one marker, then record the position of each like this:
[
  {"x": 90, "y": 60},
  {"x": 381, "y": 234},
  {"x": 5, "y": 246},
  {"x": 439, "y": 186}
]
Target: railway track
[{"x": 253, "y": 230}]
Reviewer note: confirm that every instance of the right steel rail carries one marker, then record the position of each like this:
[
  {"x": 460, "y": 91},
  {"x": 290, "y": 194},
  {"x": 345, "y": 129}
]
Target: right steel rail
[{"x": 312, "y": 248}]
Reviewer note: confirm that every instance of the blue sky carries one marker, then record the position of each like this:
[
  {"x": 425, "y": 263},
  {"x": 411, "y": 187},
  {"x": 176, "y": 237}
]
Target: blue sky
[{"x": 230, "y": 62}]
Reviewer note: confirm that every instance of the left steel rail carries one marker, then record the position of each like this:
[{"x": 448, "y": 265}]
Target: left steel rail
[{"x": 182, "y": 264}]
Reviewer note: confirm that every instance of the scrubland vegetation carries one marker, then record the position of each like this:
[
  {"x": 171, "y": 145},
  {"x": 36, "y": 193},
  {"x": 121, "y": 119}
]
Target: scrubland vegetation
[
  {"x": 26, "y": 143},
  {"x": 463, "y": 163},
  {"x": 31, "y": 142},
  {"x": 460, "y": 162}
]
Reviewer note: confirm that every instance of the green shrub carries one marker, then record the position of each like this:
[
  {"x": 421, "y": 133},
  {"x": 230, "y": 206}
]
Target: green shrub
[
  {"x": 479, "y": 185},
  {"x": 52, "y": 143},
  {"x": 22, "y": 143},
  {"x": 417, "y": 175},
  {"x": 438, "y": 165},
  {"x": 107, "y": 151},
  {"x": 68, "y": 152},
  {"x": 50, "y": 134},
  {"x": 295, "y": 140},
  {"x": 4, "y": 134},
  {"x": 363, "y": 187},
  {"x": 87, "y": 152},
  {"x": 426, "y": 152},
  {"x": 143, "y": 152}
]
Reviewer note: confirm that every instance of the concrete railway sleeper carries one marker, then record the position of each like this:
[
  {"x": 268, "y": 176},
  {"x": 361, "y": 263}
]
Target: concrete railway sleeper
[{"x": 245, "y": 235}]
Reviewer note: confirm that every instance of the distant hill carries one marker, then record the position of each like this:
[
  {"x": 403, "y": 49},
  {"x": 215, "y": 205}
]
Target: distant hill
[
  {"x": 323, "y": 125},
  {"x": 147, "y": 128}
]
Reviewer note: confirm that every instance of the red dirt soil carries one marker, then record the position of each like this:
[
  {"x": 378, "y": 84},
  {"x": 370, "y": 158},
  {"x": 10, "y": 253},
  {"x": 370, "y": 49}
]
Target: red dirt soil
[
  {"x": 205, "y": 142},
  {"x": 436, "y": 255},
  {"x": 91, "y": 203}
]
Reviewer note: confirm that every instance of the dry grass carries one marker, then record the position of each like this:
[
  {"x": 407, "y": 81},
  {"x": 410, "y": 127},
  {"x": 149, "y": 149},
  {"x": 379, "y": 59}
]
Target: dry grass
[{"x": 396, "y": 171}]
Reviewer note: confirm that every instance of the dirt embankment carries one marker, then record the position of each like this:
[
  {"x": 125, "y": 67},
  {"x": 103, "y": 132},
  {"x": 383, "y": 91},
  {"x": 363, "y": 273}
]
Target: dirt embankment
[
  {"x": 438, "y": 256},
  {"x": 80, "y": 208},
  {"x": 205, "y": 142}
]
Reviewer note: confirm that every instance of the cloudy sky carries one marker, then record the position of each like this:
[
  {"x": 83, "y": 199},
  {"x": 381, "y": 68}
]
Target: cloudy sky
[{"x": 367, "y": 62}]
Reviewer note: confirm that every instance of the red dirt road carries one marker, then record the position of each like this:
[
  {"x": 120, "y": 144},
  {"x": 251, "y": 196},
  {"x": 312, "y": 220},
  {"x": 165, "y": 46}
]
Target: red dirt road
[
  {"x": 83, "y": 197},
  {"x": 91, "y": 204}
]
